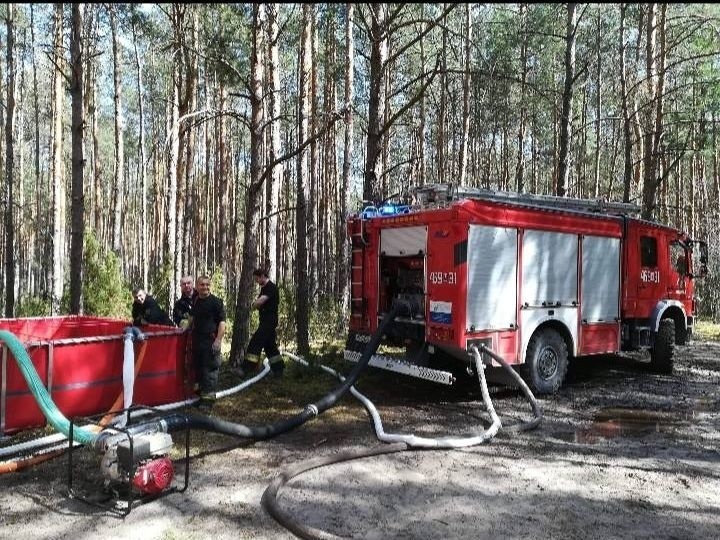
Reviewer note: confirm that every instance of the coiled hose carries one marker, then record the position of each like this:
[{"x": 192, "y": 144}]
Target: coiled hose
[{"x": 400, "y": 443}]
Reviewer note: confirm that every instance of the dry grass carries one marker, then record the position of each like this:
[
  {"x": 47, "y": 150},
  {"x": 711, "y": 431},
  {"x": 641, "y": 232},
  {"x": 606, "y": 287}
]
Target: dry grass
[{"x": 707, "y": 330}]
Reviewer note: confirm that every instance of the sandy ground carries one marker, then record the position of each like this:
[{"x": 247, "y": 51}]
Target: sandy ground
[{"x": 621, "y": 453}]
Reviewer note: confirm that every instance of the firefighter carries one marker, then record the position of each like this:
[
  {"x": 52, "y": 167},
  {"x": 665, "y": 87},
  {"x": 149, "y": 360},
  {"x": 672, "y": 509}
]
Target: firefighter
[
  {"x": 183, "y": 306},
  {"x": 265, "y": 337},
  {"x": 208, "y": 329},
  {"x": 146, "y": 310}
]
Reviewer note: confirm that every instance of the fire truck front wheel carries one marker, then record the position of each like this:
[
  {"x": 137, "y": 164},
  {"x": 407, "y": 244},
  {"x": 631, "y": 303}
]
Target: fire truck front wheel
[
  {"x": 663, "y": 352},
  {"x": 547, "y": 361}
]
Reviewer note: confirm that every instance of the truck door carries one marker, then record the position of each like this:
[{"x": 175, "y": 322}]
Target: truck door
[
  {"x": 652, "y": 260},
  {"x": 549, "y": 283}
]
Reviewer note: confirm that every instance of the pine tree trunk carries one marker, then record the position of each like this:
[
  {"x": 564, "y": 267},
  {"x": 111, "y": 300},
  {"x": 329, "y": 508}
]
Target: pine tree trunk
[
  {"x": 302, "y": 298},
  {"x": 627, "y": 136},
  {"x": 119, "y": 181},
  {"x": 77, "y": 207},
  {"x": 567, "y": 96},
  {"x": 378, "y": 58},
  {"x": 58, "y": 205},
  {"x": 312, "y": 203},
  {"x": 41, "y": 193},
  {"x": 466, "y": 97},
  {"x": 442, "y": 112},
  {"x": 598, "y": 102},
  {"x": 649, "y": 158},
  {"x": 142, "y": 169},
  {"x": 520, "y": 168},
  {"x": 253, "y": 195},
  {"x": 272, "y": 255},
  {"x": 422, "y": 127},
  {"x": 10, "y": 165},
  {"x": 343, "y": 242}
]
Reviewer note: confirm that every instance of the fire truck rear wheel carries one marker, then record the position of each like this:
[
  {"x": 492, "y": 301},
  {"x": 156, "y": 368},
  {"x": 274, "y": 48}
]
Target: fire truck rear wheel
[
  {"x": 547, "y": 360},
  {"x": 663, "y": 353}
]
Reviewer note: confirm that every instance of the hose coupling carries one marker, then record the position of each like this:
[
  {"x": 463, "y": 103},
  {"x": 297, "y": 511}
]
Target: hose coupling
[{"x": 312, "y": 409}]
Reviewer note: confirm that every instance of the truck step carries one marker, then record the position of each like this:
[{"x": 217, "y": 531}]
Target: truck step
[{"x": 401, "y": 366}]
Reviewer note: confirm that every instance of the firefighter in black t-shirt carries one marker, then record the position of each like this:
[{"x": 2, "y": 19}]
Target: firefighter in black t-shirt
[
  {"x": 208, "y": 328},
  {"x": 146, "y": 310},
  {"x": 265, "y": 337},
  {"x": 183, "y": 305}
]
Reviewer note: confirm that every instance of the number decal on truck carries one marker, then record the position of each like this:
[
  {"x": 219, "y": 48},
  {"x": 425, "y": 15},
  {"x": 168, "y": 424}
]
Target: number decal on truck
[
  {"x": 650, "y": 276},
  {"x": 439, "y": 278}
]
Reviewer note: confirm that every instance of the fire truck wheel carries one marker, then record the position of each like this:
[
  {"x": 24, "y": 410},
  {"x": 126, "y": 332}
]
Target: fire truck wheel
[
  {"x": 663, "y": 353},
  {"x": 547, "y": 360}
]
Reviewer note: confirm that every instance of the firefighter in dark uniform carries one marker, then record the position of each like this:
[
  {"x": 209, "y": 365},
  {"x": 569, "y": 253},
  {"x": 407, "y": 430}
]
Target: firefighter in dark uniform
[
  {"x": 146, "y": 310},
  {"x": 183, "y": 306},
  {"x": 208, "y": 328},
  {"x": 265, "y": 337}
]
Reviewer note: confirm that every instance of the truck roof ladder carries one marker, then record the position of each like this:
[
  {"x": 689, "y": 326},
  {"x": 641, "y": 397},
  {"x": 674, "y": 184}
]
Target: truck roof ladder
[{"x": 449, "y": 192}]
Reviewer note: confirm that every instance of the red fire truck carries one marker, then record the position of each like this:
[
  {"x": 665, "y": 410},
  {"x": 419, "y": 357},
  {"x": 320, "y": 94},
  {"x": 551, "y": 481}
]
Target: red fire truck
[{"x": 537, "y": 279}]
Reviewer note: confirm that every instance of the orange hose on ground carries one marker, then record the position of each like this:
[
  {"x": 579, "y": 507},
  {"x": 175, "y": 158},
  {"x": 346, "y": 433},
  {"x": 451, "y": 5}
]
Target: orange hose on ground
[{"x": 24, "y": 463}]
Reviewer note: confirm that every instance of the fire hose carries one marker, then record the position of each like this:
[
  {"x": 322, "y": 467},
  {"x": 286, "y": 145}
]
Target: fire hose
[
  {"x": 399, "y": 443},
  {"x": 217, "y": 425},
  {"x": 108, "y": 438},
  {"x": 51, "y": 446}
]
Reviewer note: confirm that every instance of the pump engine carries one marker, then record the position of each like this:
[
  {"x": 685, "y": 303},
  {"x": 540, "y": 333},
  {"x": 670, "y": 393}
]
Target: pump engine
[{"x": 139, "y": 460}]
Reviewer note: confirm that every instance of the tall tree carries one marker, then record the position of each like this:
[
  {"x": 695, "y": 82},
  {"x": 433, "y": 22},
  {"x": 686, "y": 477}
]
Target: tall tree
[
  {"x": 36, "y": 238},
  {"x": 625, "y": 104},
  {"x": 58, "y": 187},
  {"x": 467, "y": 45},
  {"x": 119, "y": 172},
  {"x": 654, "y": 131},
  {"x": 272, "y": 192},
  {"x": 441, "y": 142},
  {"x": 520, "y": 167},
  {"x": 302, "y": 295},
  {"x": 567, "y": 96},
  {"x": 10, "y": 166},
  {"x": 598, "y": 101},
  {"x": 343, "y": 244},
  {"x": 77, "y": 207},
  {"x": 379, "y": 122},
  {"x": 142, "y": 167},
  {"x": 376, "y": 113},
  {"x": 253, "y": 194}
]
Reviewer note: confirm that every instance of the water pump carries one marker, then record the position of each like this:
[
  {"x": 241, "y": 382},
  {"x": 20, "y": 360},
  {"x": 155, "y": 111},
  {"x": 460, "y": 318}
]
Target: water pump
[{"x": 141, "y": 460}]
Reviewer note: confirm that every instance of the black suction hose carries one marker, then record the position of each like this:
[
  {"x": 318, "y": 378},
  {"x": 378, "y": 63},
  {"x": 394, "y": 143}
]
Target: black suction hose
[{"x": 207, "y": 423}]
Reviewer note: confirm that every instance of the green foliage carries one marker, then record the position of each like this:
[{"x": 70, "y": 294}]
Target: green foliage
[
  {"x": 105, "y": 292},
  {"x": 160, "y": 282},
  {"x": 32, "y": 306},
  {"x": 226, "y": 32},
  {"x": 217, "y": 283},
  {"x": 327, "y": 320}
]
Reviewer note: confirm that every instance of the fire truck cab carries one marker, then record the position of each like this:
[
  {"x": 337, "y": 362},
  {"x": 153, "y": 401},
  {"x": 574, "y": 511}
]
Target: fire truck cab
[{"x": 537, "y": 279}]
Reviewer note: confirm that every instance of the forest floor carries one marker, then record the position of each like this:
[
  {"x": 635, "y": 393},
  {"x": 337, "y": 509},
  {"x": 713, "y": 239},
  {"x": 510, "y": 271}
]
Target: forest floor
[{"x": 621, "y": 453}]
